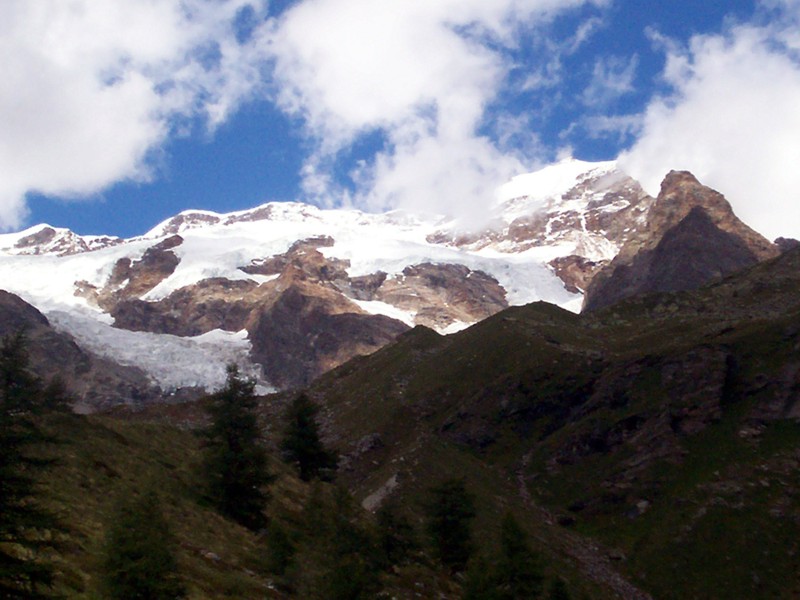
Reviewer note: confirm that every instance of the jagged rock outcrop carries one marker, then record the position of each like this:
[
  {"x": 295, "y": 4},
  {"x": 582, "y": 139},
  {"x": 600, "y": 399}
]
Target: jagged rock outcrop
[
  {"x": 596, "y": 217},
  {"x": 691, "y": 237},
  {"x": 786, "y": 244},
  {"x": 57, "y": 241},
  {"x": 132, "y": 279},
  {"x": 441, "y": 294}
]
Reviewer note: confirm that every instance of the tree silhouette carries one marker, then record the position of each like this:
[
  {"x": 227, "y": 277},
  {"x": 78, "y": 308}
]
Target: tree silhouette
[
  {"x": 235, "y": 461},
  {"x": 450, "y": 512},
  {"x": 26, "y": 528},
  {"x": 301, "y": 443},
  {"x": 139, "y": 558},
  {"x": 514, "y": 575},
  {"x": 518, "y": 573}
]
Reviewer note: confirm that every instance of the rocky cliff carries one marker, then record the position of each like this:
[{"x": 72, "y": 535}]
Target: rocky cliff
[{"x": 691, "y": 237}]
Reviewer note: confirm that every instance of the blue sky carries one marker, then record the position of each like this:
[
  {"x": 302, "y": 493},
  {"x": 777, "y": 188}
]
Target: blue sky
[{"x": 140, "y": 110}]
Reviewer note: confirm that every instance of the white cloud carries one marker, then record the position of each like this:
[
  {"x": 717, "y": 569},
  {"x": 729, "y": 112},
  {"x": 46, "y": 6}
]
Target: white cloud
[
  {"x": 90, "y": 88},
  {"x": 600, "y": 126},
  {"x": 733, "y": 120},
  {"x": 612, "y": 78},
  {"x": 421, "y": 72}
]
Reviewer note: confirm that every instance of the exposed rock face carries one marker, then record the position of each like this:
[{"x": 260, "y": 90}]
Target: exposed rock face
[
  {"x": 440, "y": 295},
  {"x": 211, "y": 304},
  {"x": 691, "y": 237},
  {"x": 133, "y": 279},
  {"x": 93, "y": 382},
  {"x": 60, "y": 242},
  {"x": 304, "y": 320},
  {"x": 689, "y": 255},
  {"x": 786, "y": 244},
  {"x": 300, "y": 335},
  {"x": 576, "y": 271},
  {"x": 681, "y": 192}
]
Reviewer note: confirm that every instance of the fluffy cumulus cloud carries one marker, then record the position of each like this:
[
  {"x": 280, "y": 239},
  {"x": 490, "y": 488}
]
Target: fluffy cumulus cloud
[
  {"x": 422, "y": 74},
  {"x": 732, "y": 119},
  {"x": 90, "y": 89}
]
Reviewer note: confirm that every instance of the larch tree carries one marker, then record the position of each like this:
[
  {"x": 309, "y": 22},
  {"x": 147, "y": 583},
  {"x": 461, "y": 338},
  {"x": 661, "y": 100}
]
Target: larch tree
[
  {"x": 235, "y": 460},
  {"x": 302, "y": 445}
]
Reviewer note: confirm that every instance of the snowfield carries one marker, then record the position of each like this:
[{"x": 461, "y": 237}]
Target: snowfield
[{"x": 217, "y": 245}]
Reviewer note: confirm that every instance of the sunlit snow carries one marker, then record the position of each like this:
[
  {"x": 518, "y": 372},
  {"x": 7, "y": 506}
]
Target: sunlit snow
[{"x": 218, "y": 245}]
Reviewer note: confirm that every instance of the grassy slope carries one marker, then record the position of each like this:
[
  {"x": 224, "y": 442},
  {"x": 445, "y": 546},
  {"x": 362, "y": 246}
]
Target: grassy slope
[
  {"x": 101, "y": 459},
  {"x": 502, "y": 398}
]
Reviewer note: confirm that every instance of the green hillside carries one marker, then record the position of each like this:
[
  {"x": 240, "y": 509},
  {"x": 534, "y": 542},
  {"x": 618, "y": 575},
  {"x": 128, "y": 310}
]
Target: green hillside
[
  {"x": 656, "y": 441},
  {"x": 103, "y": 460}
]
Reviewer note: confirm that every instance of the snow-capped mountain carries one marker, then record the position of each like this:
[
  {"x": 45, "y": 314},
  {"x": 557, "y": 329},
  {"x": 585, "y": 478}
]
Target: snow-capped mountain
[{"x": 289, "y": 290}]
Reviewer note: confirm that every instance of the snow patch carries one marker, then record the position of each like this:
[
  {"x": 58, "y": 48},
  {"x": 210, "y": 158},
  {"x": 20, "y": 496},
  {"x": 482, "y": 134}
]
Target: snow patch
[
  {"x": 454, "y": 327},
  {"x": 375, "y": 307}
]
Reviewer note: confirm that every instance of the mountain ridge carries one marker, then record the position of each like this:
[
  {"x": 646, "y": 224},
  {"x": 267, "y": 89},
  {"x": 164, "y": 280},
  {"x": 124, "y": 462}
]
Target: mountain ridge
[{"x": 202, "y": 273}]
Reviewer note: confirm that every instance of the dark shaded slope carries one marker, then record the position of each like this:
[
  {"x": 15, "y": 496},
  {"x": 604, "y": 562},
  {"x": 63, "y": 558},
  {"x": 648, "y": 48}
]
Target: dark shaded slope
[
  {"x": 662, "y": 426},
  {"x": 689, "y": 255}
]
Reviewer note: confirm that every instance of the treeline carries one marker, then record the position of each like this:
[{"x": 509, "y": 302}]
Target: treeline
[{"x": 327, "y": 548}]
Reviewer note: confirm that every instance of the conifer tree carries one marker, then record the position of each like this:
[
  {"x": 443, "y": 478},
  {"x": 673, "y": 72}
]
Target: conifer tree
[
  {"x": 514, "y": 575},
  {"x": 396, "y": 534},
  {"x": 280, "y": 549},
  {"x": 139, "y": 557},
  {"x": 235, "y": 461},
  {"x": 558, "y": 590},
  {"x": 25, "y": 526},
  {"x": 481, "y": 581},
  {"x": 342, "y": 559},
  {"x": 450, "y": 512},
  {"x": 301, "y": 443},
  {"x": 518, "y": 572}
]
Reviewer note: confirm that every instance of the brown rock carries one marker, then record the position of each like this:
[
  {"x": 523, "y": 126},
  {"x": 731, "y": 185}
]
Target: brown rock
[
  {"x": 691, "y": 237},
  {"x": 302, "y": 334}
]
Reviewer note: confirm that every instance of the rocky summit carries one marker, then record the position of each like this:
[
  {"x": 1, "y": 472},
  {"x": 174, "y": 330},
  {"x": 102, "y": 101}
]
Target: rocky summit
[{"x": 690, "y": 237}]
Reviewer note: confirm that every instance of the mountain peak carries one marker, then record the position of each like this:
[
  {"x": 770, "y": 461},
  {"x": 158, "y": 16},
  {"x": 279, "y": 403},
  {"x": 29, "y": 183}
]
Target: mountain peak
[
  {"x": 57, "y": 241},
  {"x": 361, "y": 276},
  {"x": 681, "y": 192},
  {"x": 690, "y": 237}
]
